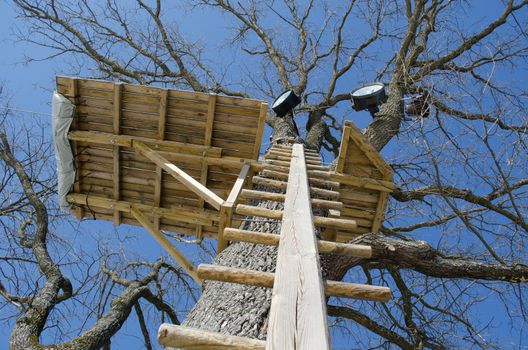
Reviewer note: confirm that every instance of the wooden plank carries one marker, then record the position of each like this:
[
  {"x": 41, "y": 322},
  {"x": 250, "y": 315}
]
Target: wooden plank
[
  {"x": 94, "y": 137},
  {"x": 207, "y": 142},
  {"x": 360, "y": 140},
  {"x": 116, "y": 128},
  {"x": 343, "y": 224},
  {"x": 73, "y": 91},
  {"x": 162, "y": 121},
  {"x": 186, "y": 215},
  {"x": 298, "y": 306},
  {"x": 266, "y": 280},
  {"x": 202, "y": 191},
  {"x": 167, "y": 245},
  {"x": 380, "y": 212},
  {"x": 357, "y": 250},
  {"x": 279, "y": 197},
  {"x": 260, "y": 129},
  {"x": 193, "y": 338},
  {"x": 315, "y": 191},
  {"x": 345, "y": 139}
]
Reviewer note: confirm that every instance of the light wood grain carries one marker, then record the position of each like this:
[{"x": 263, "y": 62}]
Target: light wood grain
[
  {"x": 193, "y": 338},
  {"x": 298, "y": 307},
  {"x": 202, "y": 191}
]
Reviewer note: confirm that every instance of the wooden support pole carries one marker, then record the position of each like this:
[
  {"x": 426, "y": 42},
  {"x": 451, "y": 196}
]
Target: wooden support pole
[
  {"x": 357, "y": 250},
  {"x": 226, "y": 211},
  {"x": 167, "y": 245},
  {"x": 314, "y": 191},
  {"x": 211, "y": 106},
  {"x": 162, "y": 120},
  {"x": 280, "y": 197},
  {"x": 115, "y": 162},
  {"x": 298, "y": 307},
  {"x": 266, "y": 280},
  {"x": 312, "y": 179},
  {"x": 197, "y": 339},
  {"x": 180, "y": 175},
  {"x": 191, "y": 216},
  {"x": 160, "y": 145},
  {"x": 342, "y": 224}
]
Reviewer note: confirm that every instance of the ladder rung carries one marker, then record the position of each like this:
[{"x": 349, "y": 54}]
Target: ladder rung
[
  {"x": 193, "y": 338},
  {"x": 250, "y": 210},
  {"x": 325, "y": 247},
  {"x": 315, "y": 191},
  {"x": 313, "y": 180},
  {"x": 279, "y": 197},
  {"x": 265, "y": 279}
]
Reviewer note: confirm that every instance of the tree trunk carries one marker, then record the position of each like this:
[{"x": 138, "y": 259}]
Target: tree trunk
[{"x": 237, "y": 309}]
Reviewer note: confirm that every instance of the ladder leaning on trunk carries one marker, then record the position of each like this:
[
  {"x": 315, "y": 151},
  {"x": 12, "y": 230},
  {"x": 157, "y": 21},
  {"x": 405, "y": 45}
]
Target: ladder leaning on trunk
[{"x": 298, "y": 318}]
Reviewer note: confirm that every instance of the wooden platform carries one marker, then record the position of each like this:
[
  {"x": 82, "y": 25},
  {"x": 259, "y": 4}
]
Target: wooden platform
[{"x": 209, "y": 137}]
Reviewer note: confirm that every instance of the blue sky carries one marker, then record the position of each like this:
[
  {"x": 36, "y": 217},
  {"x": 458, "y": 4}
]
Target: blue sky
[{"x": 29, "y": 86}]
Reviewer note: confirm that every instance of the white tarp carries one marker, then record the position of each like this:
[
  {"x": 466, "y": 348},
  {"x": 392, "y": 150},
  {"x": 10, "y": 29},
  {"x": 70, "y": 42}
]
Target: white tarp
[{"x": 61, "y": 119}]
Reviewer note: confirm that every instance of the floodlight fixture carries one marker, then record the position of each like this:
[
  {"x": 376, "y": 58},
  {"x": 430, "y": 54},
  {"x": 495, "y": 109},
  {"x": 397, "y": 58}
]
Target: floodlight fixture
[
  {"x": 285, "y": 103},
  {"x": 369, "y": 96}
]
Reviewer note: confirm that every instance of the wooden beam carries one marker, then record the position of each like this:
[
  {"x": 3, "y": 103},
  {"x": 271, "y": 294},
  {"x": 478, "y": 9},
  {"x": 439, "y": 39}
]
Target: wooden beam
[
  {"x": 363, "y": 182},
  {"x": 160, "y": 145},
  {"x": 180, "y": 175},
  {"x": 342, "y": 224},
  {"x": 238, "y": 186},
  {"x": 193, "y": 338},
  {"x": 315, "y": 191},
  {"x": 317, "y": 181},
  {"x": 211, "y": 105},
  {"x": 162, "y": 120},
  {"x": 74, "y": 91},
  {"x": 116, "y": 129},
  {"x": 266, "y": 280},
  {"x": 345, "y": 139},
  {"x": 260, "y": 130},
  {"x": 298, "y": 308},
  {"x": 167, "y": 245},
  {"x": 380, "y": 212},
  {"x": 357, "y": 250},
  {"x": 280, "y": 197},
  {"x": 192, "y": 216},
  {"x": 226, "y": 212}
]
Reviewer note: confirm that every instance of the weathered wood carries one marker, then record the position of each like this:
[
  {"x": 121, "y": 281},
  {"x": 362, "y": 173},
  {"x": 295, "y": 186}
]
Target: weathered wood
[
  {"x": 324, "y": 247},
  {"x": 167, "y": 245},
  {"x": 266, "y": 280},
  {"x": 313, "y": 180},
  {"x": 193, "y": 338},
  {"x": 160, "y": 145},
  {"x": 116, "y": 128},
  {"x": 279, "y": 197},
  {"x": 298, "y": 307},
  {"x": 380, "y": 212},
  {"x": 260, "y": 129},
  {"x": 202, "y": 191},
  {"x": 315, "y": 191},
  {"x": 342, "y": 224},
  {"x": 226, "y": 211},
  {"x": 363, "y": 182},
  {"x": 192, "y": 216}
]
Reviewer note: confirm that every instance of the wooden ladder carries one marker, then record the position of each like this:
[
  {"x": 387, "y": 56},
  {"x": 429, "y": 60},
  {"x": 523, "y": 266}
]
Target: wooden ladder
[{"x": 298, "y": 318}]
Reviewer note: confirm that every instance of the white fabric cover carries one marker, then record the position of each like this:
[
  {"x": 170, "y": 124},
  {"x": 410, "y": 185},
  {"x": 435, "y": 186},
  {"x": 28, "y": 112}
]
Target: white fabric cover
[{"x": 61, "y": 119}]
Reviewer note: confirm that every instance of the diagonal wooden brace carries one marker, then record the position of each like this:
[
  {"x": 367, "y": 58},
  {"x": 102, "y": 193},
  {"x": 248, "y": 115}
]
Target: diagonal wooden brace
[
  {"x": 167, "y": 245},
  {"x": 180, "y": 175}
]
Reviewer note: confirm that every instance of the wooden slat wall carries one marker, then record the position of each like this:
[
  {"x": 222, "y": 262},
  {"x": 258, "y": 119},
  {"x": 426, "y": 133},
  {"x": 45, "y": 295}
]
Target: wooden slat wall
[{"x": 235, "y": 125}]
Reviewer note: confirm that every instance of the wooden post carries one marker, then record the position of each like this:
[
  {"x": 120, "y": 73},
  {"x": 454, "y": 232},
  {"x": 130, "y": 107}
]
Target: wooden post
[
  {"x": 118, "y": 88},
  {"x": 226, "y": 211},
  {"x": 298, "y": 307},
  {"x": 192, "y": 338},
  {"x": 164, "y": 100},
  {"x": 167, "y": 245}
]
